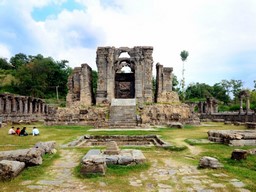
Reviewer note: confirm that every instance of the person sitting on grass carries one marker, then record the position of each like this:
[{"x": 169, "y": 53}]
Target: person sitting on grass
[
  {"x": 23, "y": 132},
  {"x": 35, "y": 131},
  {"x": 17, "y": 131},
  {"x": 11, "y": 131}
]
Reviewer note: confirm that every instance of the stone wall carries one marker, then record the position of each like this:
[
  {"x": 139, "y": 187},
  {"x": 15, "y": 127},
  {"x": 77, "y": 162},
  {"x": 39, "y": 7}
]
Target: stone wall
[
  {"x": 80, "y": 87},
  {"x": 229, "y": 116},
  {"x": 14, "y": 108},
  {"x": 86, "y": 115},
  {"x": 140, "y": 61},
  {"x": 163, "y": 114}
]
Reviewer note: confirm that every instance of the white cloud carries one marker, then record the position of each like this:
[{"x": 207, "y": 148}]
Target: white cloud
[
  {"x": 216, "y": 33},
  {"x": 5, "y": 52}
]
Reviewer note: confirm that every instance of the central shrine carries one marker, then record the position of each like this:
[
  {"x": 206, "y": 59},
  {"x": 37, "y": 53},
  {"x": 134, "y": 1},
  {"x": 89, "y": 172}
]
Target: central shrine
[{"x": 125, "y": 96}]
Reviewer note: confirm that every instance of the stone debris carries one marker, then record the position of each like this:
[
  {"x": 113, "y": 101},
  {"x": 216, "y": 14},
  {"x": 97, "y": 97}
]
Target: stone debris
[
  {"x": 29, "y": 156},
  {"x": 46, "y": 147},
  {"x": 239, "y": 154},
  {"x": 233, "y": 137},
  {"x": 112, "y": 148},
  {"x": 10, "y": 169},
  {"x": 209, "y": 162}
]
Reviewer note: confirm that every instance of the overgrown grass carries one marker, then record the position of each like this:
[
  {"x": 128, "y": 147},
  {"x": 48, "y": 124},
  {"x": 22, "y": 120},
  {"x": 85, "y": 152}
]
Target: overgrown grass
[{"x": 117, "y": 177}]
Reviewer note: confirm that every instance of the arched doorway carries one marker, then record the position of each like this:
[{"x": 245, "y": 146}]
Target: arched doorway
[{"x": 125, "y": 80}]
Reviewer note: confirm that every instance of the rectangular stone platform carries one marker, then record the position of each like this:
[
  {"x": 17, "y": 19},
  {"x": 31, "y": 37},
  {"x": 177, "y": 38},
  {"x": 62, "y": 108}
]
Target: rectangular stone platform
[
  {"x": 233, "y": 137},
  {"x": 123, "y": 113}
]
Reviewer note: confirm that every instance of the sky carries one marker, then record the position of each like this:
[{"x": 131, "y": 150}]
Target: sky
[{"x": 220, "y": 35}]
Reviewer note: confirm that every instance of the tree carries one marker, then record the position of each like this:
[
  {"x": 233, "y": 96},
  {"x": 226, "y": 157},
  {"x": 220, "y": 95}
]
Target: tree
[
  {"x": 184, "y": 55},
  {"x": 4, "y": 64},
  {"x": 232, "y": 86},
  {"x": 19, "y": 60},
  {"x": 41, "y": 76}
]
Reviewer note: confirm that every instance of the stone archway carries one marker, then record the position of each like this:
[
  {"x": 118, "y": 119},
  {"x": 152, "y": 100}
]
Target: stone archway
[{"x": 124, "y": 80}]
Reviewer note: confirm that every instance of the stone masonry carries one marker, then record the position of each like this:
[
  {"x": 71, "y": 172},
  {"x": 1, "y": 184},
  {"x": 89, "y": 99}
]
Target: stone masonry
[
  {"x": 109, "y": 63},
  {"x": 80, "y": 87}
]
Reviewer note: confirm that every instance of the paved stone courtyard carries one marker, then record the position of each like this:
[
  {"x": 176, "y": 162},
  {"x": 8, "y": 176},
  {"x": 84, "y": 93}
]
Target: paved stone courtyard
[{"x": 164, "y": 175}]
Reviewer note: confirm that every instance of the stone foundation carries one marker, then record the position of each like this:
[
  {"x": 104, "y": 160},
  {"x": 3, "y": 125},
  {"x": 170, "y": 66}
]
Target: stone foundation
[
  {"x": 233, "y": 137},
  {"x": 121, "y": 140}
]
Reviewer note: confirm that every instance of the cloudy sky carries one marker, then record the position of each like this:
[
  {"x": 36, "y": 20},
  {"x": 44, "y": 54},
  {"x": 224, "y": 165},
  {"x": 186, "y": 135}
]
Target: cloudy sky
[{"x": 220, "y": 35}]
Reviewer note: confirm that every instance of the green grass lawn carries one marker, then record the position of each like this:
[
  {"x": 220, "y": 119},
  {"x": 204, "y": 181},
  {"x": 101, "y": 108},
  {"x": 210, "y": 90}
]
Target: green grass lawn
[{"x": 182, "y": 151}]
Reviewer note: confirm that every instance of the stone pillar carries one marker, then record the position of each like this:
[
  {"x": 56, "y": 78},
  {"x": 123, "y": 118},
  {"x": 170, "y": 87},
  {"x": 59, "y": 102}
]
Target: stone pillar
[
  {"x": 21, "y": 106},
  {"x": 43, "y": 108},
  {"x": 241, "y": 105},
  {"x": 26, "y": 103},
  {"x": 8, "y": 105},
  {"x": 101, "y": 62},
  {"x": 39, "y": 106},
  {"x": 1, "y": 104},
  {"x": 14, "y": 104},
  {"x": 247, "y": 104},
  {"x": 159, "y": 80},
  {"x": 167, "y": 79},
  {"x": 86, "y": 93},
  {"x": 30, "y": 106},
  {"x": 148, "y": 64}
]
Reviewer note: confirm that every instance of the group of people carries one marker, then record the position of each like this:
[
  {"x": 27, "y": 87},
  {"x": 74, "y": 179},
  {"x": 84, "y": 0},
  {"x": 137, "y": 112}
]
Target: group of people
[{"x": 23, "y": 131}]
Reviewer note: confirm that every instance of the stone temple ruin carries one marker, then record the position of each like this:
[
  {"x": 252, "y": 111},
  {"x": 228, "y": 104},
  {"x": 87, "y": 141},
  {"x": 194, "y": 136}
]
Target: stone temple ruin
[{"x": 124, "y": 95}]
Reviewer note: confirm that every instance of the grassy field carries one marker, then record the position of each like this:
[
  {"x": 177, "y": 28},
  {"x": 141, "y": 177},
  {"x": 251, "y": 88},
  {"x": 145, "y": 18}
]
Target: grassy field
[{"x": 184, "y": 152}]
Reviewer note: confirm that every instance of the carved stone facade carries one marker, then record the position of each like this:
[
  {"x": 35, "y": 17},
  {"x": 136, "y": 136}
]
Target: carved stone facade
[
  {"x": 80, "y": 87},
  {"x": 139, "y": 83}
]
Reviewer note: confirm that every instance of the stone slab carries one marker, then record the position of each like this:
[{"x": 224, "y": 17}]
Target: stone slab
[{"x": 123, "y": 102}]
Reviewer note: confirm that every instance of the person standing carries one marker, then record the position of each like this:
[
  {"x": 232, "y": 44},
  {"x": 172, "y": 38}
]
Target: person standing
[{"x": 35, "y": 131}]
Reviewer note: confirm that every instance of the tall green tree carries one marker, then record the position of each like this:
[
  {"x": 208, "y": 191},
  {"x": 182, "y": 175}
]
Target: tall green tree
[
  {"x": 184, "y": 55},
  {"x": 19, "y": 60},
  {"x": 41, "y": 76},
  {"x": 4, "y": 64}
]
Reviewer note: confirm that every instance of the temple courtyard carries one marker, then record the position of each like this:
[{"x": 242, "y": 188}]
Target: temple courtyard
[{"x": 170, "y": 168}]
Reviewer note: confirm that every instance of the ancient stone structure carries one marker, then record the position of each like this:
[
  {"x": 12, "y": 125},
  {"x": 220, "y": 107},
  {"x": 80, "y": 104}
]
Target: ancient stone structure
[
  {"x": 244, "y": 94},
  {"x": 16, "y": 108},
  {"x": 121, "y": 140},
  {"x": 164, "y": 93},
  {"x": 112, "y": 83},
  {"x": 80, "y": 87},
  {"x": 124, "y": 96},
  {"x": 233, "y": 137},
  {"x": 95, "y": 161},
  {"x": 209, "y": 112},
  {"x": 209, "y": 106}
]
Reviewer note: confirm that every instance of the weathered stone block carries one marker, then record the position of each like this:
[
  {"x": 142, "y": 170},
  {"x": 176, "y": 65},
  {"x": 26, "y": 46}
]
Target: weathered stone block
[
  {"x": 209, "y": 162},
  {"x": 10, "y": 169},
  {"x": 46, "y": 147},
  {"x": 239, "y": 154},
  {"x": 93, "y": 163},
  {"x": 175, "y": 125},
  {"x": 29, "y": 156}
]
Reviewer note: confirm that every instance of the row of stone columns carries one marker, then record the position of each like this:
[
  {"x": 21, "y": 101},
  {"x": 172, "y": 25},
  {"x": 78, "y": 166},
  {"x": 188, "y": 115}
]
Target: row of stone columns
[
  {"x": 12, "y": 104},
  {"x": 209, "y": 106}
]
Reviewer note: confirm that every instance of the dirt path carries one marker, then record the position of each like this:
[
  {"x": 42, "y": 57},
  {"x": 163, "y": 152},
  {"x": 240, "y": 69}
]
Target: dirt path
[
  {"x": 60, "y": 175},
  {"x": 164, "y": 175}
]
